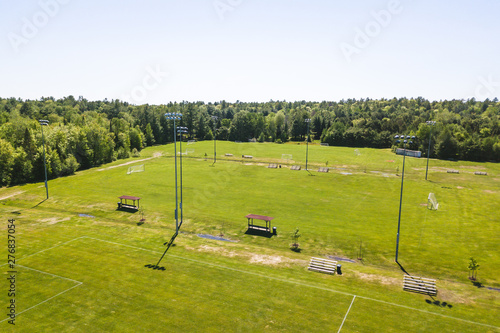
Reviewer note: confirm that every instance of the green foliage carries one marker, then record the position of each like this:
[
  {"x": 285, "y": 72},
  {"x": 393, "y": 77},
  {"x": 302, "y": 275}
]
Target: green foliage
[
  {"x": 97, "y": 132},
  {"x": 473, "y": 268}
]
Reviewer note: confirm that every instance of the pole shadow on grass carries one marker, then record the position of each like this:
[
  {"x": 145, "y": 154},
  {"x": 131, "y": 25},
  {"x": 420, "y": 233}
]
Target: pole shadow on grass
[
  {"x": 38, "y": 204},
  {"x": 402, "y": 268},
  {"x": 169, "y": 244},
  {"x": 435, "y": 302}
]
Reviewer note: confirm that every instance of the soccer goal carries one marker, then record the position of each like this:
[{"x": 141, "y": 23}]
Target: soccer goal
[
  {"x": 432, "y": 202},
  {"x": 135, "y": 168},
  {"x": 287, "y": 157},
  {"x": 191, "y": 142}
]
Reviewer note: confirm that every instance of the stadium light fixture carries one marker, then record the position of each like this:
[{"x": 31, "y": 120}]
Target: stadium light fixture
[
  {"x": 215, "y": 118},
  {"x": 44, "y": 123},
  {"x": 308, "y": 120},
  {"x": 406, "y": 139},
  {"x": 175, "y": 116},
  {"x": 431, "y": 123},
  {"x": 181, "y": 130}
]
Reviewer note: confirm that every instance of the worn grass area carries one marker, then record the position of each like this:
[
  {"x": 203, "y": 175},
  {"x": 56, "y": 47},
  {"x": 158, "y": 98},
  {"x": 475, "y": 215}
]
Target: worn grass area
[{"x": 89, "y": 273}]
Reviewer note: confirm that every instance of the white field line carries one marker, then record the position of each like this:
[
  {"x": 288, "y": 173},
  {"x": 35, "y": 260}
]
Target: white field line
[
  {"x": 299, "y": 283},
  {"x": 47, "y": 273},
  {"x": 11, "y": 195},
  {"x": 346, "y": 314},
  {"x": 78, "y": 283},
  {"x": 263, "y": 276}
]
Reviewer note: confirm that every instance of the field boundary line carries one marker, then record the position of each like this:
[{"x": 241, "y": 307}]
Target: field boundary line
[
  {"x": 285, "y": 280},
  {"x": 54, "y": 275},
  {"x": 53, "y": 247},
  {"x": 78, "y": 283},
  {"x": 346, "y": 314}
]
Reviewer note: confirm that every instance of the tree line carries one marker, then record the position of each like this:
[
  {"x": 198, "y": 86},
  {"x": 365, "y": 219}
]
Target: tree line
[{"x": 82, "y": 134}]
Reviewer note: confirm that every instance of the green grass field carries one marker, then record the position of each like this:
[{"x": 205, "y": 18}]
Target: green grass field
[{"x": 89, "y": 273}]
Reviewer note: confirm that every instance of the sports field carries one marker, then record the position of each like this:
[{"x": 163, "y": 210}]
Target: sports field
[{"x": 83, "y": 266}]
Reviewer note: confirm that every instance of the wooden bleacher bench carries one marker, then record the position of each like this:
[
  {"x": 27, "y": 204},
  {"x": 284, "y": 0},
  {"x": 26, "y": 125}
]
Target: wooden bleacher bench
[
  {"x": 480, "y": 173},
  {"x": 322, "y": 265},
  {"x": 453, "y": 171},
  {"x": 272, "y": 165},
  {"x": 419, "y": 285},
  {"x": 247, "y": 156},
  {"x": 323, "y": 169},
  {"x": 295, "y": 167}
]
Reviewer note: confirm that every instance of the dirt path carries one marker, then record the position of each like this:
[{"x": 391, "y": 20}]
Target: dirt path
[{"x": 155, "y": 155}]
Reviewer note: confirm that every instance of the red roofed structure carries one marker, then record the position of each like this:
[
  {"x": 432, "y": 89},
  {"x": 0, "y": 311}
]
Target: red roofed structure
[{"x": 251, "y": 224}]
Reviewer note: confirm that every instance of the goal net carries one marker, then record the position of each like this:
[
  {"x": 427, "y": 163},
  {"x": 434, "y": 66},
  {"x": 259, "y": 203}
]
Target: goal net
[
  {"x": 190, "y": 142},
  {"x": 135, "y": 168},
  {"x": 432, "y": 202},
  {"x": 286, "y": 156}
]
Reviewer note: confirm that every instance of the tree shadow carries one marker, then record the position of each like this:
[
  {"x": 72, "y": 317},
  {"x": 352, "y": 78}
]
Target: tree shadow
[{"x": 477, "y": 284}]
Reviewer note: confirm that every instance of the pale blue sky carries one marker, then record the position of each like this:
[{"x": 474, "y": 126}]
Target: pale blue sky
[{"x": 249, "y": 50}]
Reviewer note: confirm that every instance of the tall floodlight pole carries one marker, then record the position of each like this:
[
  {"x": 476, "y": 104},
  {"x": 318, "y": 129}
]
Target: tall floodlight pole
[
  {"x": 174, "y": 117},
  {"x": 181, "y": 130},
  {"x": 44, "y": 123},
  {"x": 215, "y": 118},
  {"x": 431, "y": 123},
  {"x": 307, "y": 141},
  {"x": 405, "y": 141}
]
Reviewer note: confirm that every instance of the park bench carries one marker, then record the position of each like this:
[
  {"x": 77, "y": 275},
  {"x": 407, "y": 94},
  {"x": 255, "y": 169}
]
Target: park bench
[
  {"x": 480, "y": 173},
  {"x": 452, "y": 171},
  {"x": 322, "y": 265},
  {"x": 228, "y": 155},
  {"x": 323, "y": 169},
  {"x": 295, "y": 167},
  {"x": 247, "y": 156},
  {"x": 419, "y": 285},
  {"x": 272, "y": 165}
]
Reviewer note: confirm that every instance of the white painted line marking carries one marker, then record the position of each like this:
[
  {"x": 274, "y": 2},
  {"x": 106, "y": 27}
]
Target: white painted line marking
[{"x": 346, "y": 314}]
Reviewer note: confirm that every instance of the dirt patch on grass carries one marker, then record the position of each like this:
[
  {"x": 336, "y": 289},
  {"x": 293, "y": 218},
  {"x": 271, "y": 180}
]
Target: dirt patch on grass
[
  {"x": 489, "y": 191},
  {"x": 378, "y": 278},
  {"x": 459, "y": 187},
  {"x": 218, "y": 250},
  {"x": 54, "y": 220}
]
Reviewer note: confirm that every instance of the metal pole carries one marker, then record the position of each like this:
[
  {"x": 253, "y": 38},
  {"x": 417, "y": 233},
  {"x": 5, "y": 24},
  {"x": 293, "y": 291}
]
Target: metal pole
[
  {"x": 180, "y": 148},
  {"x": 176, "y": 199},
  {"x": 400, "y": 202},
  {"x": 307, "y": 141},
  {"x": 429, "y": 149},
  {"x": 45, "y": 165},
  {"x": 215, "y": 138}
]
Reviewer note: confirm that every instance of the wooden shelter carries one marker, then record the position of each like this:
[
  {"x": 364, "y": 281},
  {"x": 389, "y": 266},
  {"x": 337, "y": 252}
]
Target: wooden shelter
[
  {"x": 125, "y": 204},
  {"x": 267, "y": 219}
]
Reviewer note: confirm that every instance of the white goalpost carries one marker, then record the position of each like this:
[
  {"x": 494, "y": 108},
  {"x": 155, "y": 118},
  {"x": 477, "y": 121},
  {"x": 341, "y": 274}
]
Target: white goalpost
[
  {"x": 135, "y": 168},
  {"x": 432, "y": 202}
]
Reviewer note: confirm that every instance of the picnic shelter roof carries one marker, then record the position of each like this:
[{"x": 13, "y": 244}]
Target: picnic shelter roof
[
  {"x": 259, "y": 217},
  {"x": 128, "y": 197}
]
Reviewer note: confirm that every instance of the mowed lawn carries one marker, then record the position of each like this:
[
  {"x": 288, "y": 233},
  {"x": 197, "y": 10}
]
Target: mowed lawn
[{"x": 91, "y": 271}]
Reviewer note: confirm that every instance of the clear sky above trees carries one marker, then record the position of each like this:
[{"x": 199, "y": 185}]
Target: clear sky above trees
[{"x": 160, "y": 51}]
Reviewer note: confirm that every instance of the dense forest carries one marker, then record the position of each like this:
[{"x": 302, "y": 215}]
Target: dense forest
[{"x": 82, "y": 134}]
